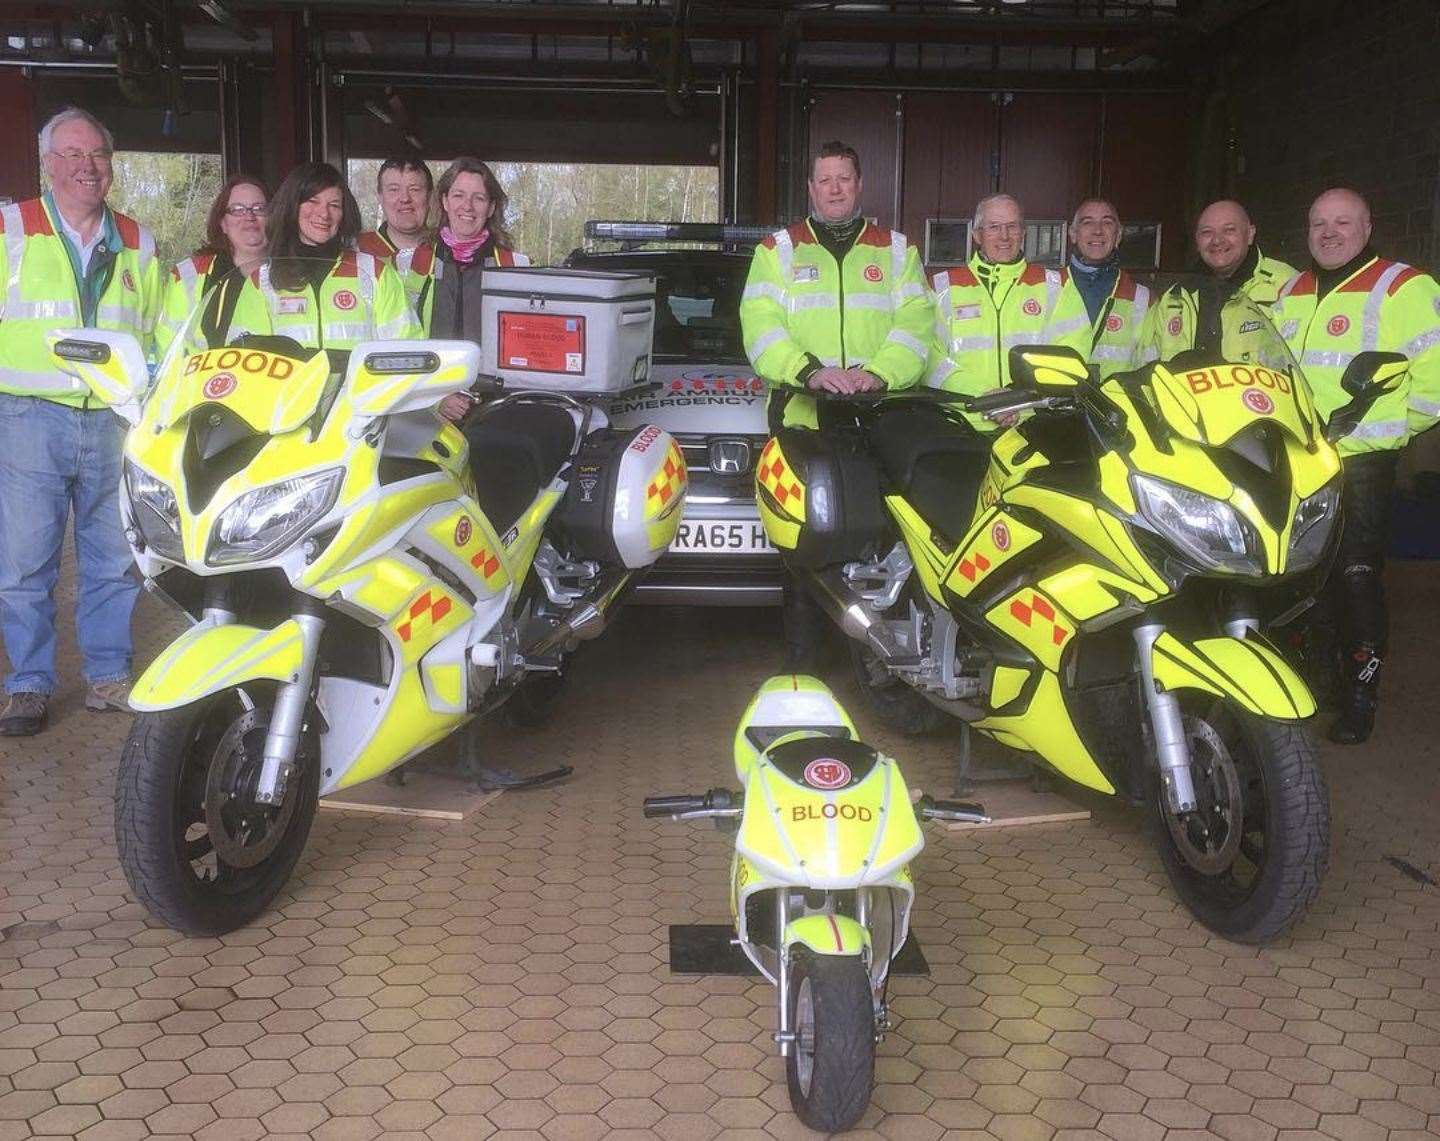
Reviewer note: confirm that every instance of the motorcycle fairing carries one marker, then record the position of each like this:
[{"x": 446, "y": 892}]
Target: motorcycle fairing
[
  {"x": 828, "y": 935},
  {"x": 206, "y": 659},
  {"x": 1042, "y": 724},
  {"x": 273, "y": 394},
  {"x": 1248, "y": 670},
  {"x": 786, "y": 704}
]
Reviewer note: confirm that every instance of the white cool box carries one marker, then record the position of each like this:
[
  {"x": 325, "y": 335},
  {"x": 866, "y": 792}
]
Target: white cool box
[{"x": 568, "y": 330}]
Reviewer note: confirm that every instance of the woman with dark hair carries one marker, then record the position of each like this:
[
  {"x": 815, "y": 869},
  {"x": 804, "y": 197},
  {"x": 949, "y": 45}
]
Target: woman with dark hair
[
  {"x": 473, "y": 235},
  {"x": 234, "y": 239},
  {"x": 316, "y": 287}
]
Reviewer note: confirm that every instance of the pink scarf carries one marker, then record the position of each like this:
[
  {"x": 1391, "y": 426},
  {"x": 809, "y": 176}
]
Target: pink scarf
[{"x": 464, "y": 249}]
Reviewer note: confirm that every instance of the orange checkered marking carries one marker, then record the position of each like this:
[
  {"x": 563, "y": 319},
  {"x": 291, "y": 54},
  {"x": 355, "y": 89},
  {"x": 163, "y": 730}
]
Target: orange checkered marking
[
  {"x": 485, "y": 562},
  {"x": 776, "y": 478},
  {"x": 430, "y": 606},
  {"x": 668, "y": 482},
  {"x": 974, "y": 569},
  {"x": 1039, "y": 607}
]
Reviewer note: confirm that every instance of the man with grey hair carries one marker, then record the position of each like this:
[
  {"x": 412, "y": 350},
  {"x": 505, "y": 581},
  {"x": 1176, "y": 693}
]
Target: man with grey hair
[
  {"x": 1115, "y": 302},
  {"x": 67, "y": 261},
  {"x": 997, "y": 301}
]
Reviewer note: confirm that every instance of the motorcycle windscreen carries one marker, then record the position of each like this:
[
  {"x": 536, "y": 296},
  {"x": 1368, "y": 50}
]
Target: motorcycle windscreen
[
  {"x": 255, "y": 343},
  {"x": 1240, "y": 373}
]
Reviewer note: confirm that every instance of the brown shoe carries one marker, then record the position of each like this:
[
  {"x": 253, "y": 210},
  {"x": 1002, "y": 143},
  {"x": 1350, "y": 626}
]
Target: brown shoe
[
  {"x": 24, "y": 714},
  {"x": 107, "y": 695}
]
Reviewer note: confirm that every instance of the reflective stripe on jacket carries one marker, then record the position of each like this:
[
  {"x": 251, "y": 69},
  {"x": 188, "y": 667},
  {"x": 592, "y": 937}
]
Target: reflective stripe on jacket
[
  {"x": 41, "y": 295},
  {"x": 1170, "y": 327},
  {"x": 975, "y": 328},
  {"x": 360, "y": 299},
  {"x": 870, "y": 309},
  {"x": 419, "y": 267},
  {"x": 1384, "y": 306},
  {"x": 1115, "y": 332}
]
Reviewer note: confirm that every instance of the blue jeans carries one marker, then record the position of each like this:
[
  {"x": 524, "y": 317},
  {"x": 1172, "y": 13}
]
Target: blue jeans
[{"x": 53, "y": 459}]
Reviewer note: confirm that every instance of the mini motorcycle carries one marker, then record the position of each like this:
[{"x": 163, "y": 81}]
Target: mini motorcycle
[
  {"x": 1091, "y": 587},
  {"x": 820, "y": 885},
  {"x": 357, "y": 589}
]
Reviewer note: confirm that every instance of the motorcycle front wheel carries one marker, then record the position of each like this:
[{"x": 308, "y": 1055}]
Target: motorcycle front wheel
[
  {"x": 831, "y": 1066},
  {"x": 1249, "y": 862},
  {"x": 198, "y": 851}
]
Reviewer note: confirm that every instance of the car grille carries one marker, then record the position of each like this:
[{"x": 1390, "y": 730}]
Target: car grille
[{"x": 698, "y": 451}]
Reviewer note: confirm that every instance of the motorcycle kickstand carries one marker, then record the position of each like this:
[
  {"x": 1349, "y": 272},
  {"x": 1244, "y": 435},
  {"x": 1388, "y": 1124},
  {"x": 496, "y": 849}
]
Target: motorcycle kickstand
[
  {"x": 964, "y": 786},
  {"x": 501, "y": 780}
]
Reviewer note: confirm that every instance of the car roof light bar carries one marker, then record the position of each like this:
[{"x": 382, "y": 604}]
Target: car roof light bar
[{"x": 675, "y": 232}]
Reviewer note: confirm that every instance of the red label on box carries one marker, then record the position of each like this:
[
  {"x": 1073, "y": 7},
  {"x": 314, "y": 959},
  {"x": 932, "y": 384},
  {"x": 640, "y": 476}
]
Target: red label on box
[{"x": 542, "y": 342}]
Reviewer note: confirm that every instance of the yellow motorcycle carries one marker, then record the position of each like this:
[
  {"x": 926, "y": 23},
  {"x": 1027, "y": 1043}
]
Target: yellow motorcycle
[
  {"x": 1090, "y": 587},
  {"x": 820, "y": 884},
  {"x": 357, "y": 589}
]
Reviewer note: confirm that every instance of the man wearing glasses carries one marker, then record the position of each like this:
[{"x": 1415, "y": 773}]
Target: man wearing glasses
[
  {"x": 997, "y": 301},
  {"x": 66, "y": 260}
]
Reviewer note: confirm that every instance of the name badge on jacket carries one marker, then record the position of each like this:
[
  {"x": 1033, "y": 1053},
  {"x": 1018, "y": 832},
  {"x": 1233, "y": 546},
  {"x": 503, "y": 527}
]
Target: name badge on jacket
[
  {"x": 807, "y": 273},
  {"x": 289, "y": 306},
  {"x": 966, "y": 312}
]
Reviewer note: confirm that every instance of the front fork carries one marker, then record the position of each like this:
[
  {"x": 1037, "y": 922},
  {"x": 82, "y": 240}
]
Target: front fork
[{"x": 1167, "y": 724}]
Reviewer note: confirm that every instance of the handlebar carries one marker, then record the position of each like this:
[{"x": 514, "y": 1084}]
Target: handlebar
[
  {"x": 955, "y": 811},
  {"x": 715, "y": 802}
]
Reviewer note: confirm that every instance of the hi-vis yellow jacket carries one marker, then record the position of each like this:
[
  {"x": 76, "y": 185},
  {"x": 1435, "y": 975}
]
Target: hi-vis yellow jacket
[
  {"x": 419, "y": 266},
  {"x": 360, "y": 299},
  {"x": 976, "y": 326},
  {"x": 1386, "y": 306},
  {"x": 1170, "y": 327},
  {"x": 802, "y": 307},
  {"x": 1115, "y": 332},
  {"x": 190, "y": 279},
  {"x": 41, "y": 295}
]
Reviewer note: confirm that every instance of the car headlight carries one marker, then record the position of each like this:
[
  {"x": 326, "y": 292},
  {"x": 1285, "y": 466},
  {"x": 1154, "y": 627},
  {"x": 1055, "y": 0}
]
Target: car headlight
[
  {"x": 1315, "y": 517},
  {"x": 156, "y": 513},
  {"x": 263, "y": 522},
  {"x": 1209, "y": 531}
]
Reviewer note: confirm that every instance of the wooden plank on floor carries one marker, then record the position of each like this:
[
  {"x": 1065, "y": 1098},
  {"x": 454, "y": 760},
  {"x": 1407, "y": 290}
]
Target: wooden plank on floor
[
  {"x": 1012, "y": 803},
  {"x": 436, "y": 796}
]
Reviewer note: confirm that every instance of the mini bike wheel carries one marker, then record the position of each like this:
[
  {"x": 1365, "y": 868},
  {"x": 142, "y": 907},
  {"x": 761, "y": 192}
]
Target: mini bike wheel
[{"x": 831, "y": 1066}]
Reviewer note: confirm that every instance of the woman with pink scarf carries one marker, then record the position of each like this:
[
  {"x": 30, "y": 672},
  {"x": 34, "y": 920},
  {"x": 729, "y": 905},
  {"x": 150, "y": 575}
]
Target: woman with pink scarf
[{"x": 472, "y": 236}]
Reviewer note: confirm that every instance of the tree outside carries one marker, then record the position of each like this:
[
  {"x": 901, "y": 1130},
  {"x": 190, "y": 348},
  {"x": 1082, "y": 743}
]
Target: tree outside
[{"x": 551, "y": 202}]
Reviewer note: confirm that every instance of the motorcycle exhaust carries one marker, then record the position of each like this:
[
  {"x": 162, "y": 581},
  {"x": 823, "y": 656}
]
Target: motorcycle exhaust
[
  {"x": 855, "y": 617},
  {"x": 586, "y": 621}
]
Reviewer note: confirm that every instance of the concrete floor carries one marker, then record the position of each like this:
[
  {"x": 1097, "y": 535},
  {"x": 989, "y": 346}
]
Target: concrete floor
[{"x": 508, "y": 976}]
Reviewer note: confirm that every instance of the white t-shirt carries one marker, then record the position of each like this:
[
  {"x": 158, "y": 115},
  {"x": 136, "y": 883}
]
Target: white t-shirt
[{"x": 84, "y": 249}]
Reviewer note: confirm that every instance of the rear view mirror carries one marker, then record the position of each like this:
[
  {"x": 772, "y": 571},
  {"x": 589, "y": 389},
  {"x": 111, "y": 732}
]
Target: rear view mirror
[
  {"x": 1035, "y": 368},
  {"x": 1384, "y": 371},
  {"x": 110, "y": 364},
  {"x": 385, "y": 378}
]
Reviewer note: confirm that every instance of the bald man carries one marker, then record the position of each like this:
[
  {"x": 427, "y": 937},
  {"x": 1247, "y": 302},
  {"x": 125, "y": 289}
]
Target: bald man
[
  {"x": 1349, "y": 301},
  {"x": 1188, "y": 317}
]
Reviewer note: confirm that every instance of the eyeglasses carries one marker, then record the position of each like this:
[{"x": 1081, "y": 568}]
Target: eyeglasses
[
  {"x": 100, "y": 157},
  {"x": 259, "y": 210}
]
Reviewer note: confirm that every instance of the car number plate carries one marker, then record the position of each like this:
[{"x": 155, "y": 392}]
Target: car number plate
[{"x": 721, "y": 537}]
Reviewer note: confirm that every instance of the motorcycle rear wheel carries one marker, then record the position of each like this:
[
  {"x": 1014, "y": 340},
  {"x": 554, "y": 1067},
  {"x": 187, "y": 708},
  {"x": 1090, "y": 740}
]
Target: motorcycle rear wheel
[
  {"x": 898, "y": 705},
  {"x": 831, "y": 1066},
  {"x": 198, "y": 852},
  {"x": 1254, "y": 881}
]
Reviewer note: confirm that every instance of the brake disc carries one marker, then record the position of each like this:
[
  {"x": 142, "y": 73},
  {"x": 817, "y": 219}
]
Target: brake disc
[
  {"x": 1209, "y": 838},
  {"x": 243, "y": 832}
]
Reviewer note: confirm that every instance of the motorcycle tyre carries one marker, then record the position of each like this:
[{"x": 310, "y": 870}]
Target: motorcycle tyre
[
  {"x": 896, "y": 704},
  {"x": 146, "y": 787},
  {"x": 534, "y": 700},
  {"x": 843, "y": 1072},
  {"x": 1297, "y": 832}
]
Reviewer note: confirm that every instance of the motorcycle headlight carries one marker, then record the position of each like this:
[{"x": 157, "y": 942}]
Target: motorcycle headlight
[
  {"x": 155, "y": 511},
  {"x": 1315, "y": 517},
  {"x": 263, "y": 522},
  {"x": 1207, "y": 530}
]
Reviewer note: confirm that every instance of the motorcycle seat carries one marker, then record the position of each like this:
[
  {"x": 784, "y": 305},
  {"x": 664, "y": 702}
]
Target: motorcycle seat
[
  {"x": 514, "y": 453},
  {"x": 795, "y": 759},
  {"x": 935, "y": 461}
]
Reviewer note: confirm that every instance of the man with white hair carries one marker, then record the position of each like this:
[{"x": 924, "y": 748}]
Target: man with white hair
[
  {"x": 998, "y": 301},
  {"x": 1349, "y": 301},
  {"x": 67, "y": 261}
]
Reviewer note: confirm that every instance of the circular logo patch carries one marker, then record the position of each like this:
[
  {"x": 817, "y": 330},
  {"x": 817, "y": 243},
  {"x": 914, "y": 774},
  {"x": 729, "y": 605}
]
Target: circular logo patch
[
  {"x": 462, "y": 531},
  {"x": 1000, "y": 536},
  {"x": 344, "y": 300},
  {"x": 221, "y": 385},
  {"x": 1258, "y": 402},
  {"x": 827, "y": 773},
  {"x": 1338, "y": 325},
  {"x": 1031, "y": 306},
  {"x": 1174, "y": 327},
  {"x": 873, "y": 273},
  {"x": 129, "y": 280},
  {"x": 1113, "y": 323}
]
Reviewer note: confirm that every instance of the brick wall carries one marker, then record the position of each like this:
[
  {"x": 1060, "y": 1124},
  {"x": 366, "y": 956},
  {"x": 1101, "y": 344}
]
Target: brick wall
[{"x": 1339, "y": 94}]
